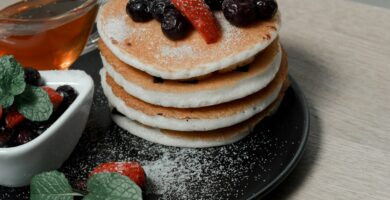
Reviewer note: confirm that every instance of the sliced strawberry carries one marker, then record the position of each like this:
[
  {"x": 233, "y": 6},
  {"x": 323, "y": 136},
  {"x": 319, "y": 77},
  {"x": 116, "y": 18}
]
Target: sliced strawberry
[
  {"x": 13, "y": 118},
  {"x": 201, "y": 17},
  {"x": 1, "y": 112},
  {"x": 54, "y": 96},
  {"x": 133, "y": 170}
]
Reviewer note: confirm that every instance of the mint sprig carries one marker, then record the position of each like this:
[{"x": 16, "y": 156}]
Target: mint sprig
[
  {"x": 51, "y": 186},
  {"x": 102, "y": 186},
  {"x": 34, "y": 104},
  {"x": 112, "y": 186},
  {"x": 12, "y": 81}
]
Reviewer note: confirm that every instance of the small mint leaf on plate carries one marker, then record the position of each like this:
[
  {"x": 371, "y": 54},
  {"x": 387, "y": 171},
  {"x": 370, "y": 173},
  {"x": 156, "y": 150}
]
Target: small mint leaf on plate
[
  {"x": 112, "y": 186},
  {"x": 34, "y": 104},
  {"x": 12, "y": 81},
  {"x": 51, "y": 186}
]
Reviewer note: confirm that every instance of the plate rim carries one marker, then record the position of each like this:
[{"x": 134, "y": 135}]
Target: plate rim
[{"x": 301, "y": 149}]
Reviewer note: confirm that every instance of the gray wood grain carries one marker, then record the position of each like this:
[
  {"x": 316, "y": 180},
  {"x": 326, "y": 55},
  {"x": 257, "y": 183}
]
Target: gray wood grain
[{"x": 339, "y": 53}]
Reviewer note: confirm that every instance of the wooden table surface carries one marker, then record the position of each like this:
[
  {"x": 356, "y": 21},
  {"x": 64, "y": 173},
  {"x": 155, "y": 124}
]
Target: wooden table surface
[{"x": 339, "y": 53}]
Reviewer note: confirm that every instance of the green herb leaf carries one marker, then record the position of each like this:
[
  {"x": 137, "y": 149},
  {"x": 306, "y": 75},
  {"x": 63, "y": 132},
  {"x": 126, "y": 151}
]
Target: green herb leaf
[
  {"x": 51, "y": 186},
  {"x": 112, "y": 186},
  {"x": 11, "y": 80},
  {"x": 34, "y": 104}
]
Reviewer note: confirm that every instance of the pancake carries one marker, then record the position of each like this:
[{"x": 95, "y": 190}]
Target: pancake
[
  {"x": 144, "y": 46},
  {"x": 215, "y": 89},
  {"x": 204, "y": 139},
  {"x": 193, "y": 119}
]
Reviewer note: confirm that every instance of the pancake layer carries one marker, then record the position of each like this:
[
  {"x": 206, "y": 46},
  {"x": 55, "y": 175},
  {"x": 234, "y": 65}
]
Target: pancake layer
[
  {"x": 193, "y": 119},
  {"x": 204, "y": 139},
  {"x": 215, "y": 89},
  {"x": 143, "y": 45}
]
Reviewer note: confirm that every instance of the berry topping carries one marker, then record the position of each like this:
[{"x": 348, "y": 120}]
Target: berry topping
[
  {"x": 24, "y": 136},
  {"x": 5, "y": 136},
  {"x": 133, "y": 170},
  {"x": 68, "y": 93},
  {"x": 54, "y": 96},
  {"x": 200, "y": 16},
  {"x": 13, "y": 118},
  {"x": 32, "y": 76},
  {"x": 138, "y": 10},
  {"x": 266, "y": 9},
  {"x": 214, "y": 4},
  {"x": 239, "y": 12},
  {"x": 159, "y": 7},
  {"x": 174, "y": 25}
]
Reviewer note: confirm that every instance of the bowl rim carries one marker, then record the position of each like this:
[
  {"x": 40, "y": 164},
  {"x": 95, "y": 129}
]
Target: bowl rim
[{"x": 88, "y": 85}]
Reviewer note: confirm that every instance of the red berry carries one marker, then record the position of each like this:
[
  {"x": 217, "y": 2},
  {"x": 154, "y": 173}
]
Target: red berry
[
  {"x": 1, "y": 112},
  {"x": 54, "y": 96},
  {"x": 201, "y": 17},
  {"x": 133, "y": 170},
  {"x": 13, "y": 118}
]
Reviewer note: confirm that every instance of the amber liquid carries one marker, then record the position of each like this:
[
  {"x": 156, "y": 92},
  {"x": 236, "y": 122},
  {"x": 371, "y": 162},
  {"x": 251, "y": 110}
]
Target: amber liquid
[{"x": 48, "y": 44}]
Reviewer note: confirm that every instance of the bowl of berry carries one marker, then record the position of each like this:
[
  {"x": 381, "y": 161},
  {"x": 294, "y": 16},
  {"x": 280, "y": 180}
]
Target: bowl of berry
[{"x": 42, "y": 117}]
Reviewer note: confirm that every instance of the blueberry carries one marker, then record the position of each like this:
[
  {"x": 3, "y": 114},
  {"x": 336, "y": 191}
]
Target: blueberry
[
  {"x": 174, "y": 25},
  {"x": 5, "y": 136},
  {"x": 214, "y": 4},
  {"x": 68, "y": 93},
  {"x": 239, "y": 12},
  {"x": 32, "y": 76},
  {"x": 159, "y": 7},
  {"x": 25, "y": 135},
  {"x": 138, "y": 10},
  {"x": 266, "y": 9},
  {"x": 38, "y": 127}
]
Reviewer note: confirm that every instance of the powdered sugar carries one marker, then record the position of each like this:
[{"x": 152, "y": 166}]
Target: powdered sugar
[{"x": 117, "y": 29}]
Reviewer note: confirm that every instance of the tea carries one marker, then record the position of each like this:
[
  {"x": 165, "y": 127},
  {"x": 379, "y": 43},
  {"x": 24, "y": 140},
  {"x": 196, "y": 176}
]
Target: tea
[{"x": 46, "y": 34}]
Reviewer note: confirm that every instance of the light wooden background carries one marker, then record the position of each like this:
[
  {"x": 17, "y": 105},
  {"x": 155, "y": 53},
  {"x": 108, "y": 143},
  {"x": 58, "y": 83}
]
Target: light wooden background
[{"x": 340, "y": 55}]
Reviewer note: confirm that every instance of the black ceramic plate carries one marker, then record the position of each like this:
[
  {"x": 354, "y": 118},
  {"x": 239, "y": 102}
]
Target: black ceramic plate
[{"x": 247, "y": 169}]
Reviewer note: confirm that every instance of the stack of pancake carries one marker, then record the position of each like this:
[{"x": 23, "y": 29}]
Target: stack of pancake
[{"x": 188, "y": 93}]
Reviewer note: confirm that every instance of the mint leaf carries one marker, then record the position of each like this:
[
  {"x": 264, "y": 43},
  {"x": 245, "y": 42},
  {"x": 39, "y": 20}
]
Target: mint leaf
[
  {"x": 112, "y": 186},
  {"x": 51, "y": 186},
  {"x": 34, "y": 104},
  {"x": 11, "y": 80}
]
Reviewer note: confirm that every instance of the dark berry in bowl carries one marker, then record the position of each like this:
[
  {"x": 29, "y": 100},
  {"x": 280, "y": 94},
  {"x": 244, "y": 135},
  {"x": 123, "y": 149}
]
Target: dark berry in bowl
[
  {"x": 32, "y": 76},
  {"x": 266, "y": 9},
  {"x": 239, "y": 12},
  {"x": 5, "y": 136},
  {"x": 25, "y": 135},
  {"x": 174, "y": 25},
  {"x": 68, "y": 93},
  {"x": 214, "y": 4},
  {"x": 159, "y": 7},
  {"x": 138, "y": 10}
]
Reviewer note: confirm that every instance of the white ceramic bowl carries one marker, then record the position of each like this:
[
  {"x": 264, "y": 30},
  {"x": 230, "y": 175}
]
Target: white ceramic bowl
[{"x": 49, "y": 150}]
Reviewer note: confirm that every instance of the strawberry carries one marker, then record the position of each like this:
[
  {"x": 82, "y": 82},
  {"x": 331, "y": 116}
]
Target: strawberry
[
  {"x": 201, "y": 17},
  {"x": 133, "y": 170},
  {"x": 1, "y": 113},
  {"x": 54, "y": 96},
  {"x": 13, "y": 118}
]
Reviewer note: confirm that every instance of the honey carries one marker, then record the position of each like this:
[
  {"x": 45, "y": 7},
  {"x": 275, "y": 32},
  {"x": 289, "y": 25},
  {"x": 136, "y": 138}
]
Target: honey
[{"x": 46, "y": 34}]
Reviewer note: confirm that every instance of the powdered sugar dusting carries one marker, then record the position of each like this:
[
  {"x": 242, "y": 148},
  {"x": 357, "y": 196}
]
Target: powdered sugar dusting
[
  {"x": 177, "y": 52},
  {"x": 117, "y": 29}
]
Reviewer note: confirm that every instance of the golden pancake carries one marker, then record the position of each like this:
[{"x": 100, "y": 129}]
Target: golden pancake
[{"x": 144, "y": 46}]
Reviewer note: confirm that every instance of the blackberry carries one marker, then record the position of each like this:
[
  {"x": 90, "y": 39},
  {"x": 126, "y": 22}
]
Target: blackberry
[
  {"x": 68, "y": 93},
  {"x": 266, "y": 9},
  {"x": 214, "y": 4},
  {"x": 239, "y": 12},
  {"x": 24, "y": 136},
  {"x": 32, "y": 76},
  {"x": 159, "y": 7},
  {"x": 138, "y": 10},
  {"x": 174, "y": 25}
]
